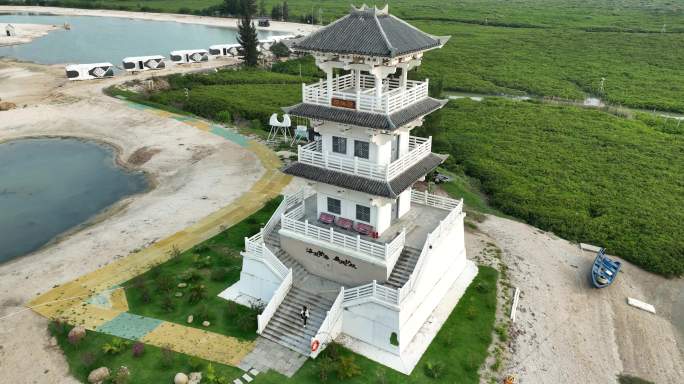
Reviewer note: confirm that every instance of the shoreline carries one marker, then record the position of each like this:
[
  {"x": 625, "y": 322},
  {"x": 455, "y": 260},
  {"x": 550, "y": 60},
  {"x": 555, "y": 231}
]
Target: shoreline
[
  {"x": 104, "y": 213},
  {"x": 276, "y": 26}
]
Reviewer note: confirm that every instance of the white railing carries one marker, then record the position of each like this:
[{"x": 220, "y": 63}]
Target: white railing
[
  {"x": 330, "y": 327},
  {"x": 369, "y": 291},
  {"x": 432, "y": 237},
  {"x": 431, "y": 200},
  {"x": 261, "y": 251},
  {"x": 274, "y": 303},
  {"x": 392, "y": 99},
  {"x": 313, "y": 154},
  {"x": 421, "y": 148},
  {"x": 292, "y": 221}
]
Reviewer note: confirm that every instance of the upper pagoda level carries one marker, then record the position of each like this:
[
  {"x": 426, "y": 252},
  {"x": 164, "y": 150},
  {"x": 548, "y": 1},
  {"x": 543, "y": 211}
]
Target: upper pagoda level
[{"x": 375, "y": 51}]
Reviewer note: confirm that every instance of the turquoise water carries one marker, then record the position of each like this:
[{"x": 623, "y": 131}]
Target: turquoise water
[
  {"x": 48, "y": 186},
  {"x": 95, "y": 39}
]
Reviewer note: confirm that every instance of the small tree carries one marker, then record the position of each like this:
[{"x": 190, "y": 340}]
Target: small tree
[
  {"x": 286, "y": 11},
  {"x": 247, "y": 34},
  {"x": 262, "y": 8},
  {"x": 277, "y": 12}
]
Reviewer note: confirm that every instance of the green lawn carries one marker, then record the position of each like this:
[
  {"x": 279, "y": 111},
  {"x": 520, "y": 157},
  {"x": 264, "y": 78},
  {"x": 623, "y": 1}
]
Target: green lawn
[
  {"x": 154, "y": 366},
  {"x": 214, "y": 264},
  {"x": 584, "y": 174},
  {"x": 458, "y": 350}
]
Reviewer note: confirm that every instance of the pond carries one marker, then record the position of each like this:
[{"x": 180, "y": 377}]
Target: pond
[
  {"x": 94, "y": 39},
  {"x": 49, "y": 186}
]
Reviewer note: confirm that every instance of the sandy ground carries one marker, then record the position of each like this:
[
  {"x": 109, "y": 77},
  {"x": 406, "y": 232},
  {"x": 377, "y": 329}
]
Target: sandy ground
[
  {"x": 569, "y": 332},
  {"x": 195, "y": 173},
  {"x": 293, "y": 28},
  {"x": 25, "y": 33}
]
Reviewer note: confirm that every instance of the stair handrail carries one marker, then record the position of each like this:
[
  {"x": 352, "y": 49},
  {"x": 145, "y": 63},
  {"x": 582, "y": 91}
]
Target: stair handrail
[
  {"x": 278, "y": 296},
  {"x": 371, "y": 291},
  {"x": 330, "y": 328},
  {"x": 431, "y": 238}
]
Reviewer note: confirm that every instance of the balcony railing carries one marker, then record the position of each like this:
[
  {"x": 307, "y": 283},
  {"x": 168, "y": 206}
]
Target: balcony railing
[
  {"x": 372, "y": 290},
  {"x": 392, "y": 99},
  {"x": 385, "y": 252},
  {"x": 313, "y": 154}
]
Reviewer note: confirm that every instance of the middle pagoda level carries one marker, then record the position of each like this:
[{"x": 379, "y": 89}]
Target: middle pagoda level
[{"x": 364, "y": 160}]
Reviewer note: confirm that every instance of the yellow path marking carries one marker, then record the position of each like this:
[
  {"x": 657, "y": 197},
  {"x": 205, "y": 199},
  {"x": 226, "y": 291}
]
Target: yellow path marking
[
  {"x": 67, "y": 301},
  {"x": 197, "y": 342}
]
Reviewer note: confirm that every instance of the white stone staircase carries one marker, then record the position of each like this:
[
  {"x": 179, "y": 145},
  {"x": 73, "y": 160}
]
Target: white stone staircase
[
  {"x": 286, "y": 327},
  {"x": 403, "y": 267},
  {"x": 272, "y": 240}
]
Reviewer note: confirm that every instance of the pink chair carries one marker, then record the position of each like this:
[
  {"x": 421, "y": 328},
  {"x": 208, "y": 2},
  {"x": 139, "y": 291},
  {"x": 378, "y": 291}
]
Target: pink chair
[
  {"x": 364, "y": 229},
  {"x": 326, "y": 218},
  {"x": 344, "y": 223}
]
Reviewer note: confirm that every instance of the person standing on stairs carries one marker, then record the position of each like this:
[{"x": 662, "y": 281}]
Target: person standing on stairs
[{"x": 304, "y": 314}]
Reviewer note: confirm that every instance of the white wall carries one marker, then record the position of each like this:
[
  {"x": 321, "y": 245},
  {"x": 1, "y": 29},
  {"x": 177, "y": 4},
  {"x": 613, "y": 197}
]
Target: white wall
[
  {"x": 257, "y": 279},
  {"x": 373, "y": 323},
  {"x": 405, "y": 202},
  {"x": 440, "y": 270},
  {"x": 380, "y": 145}
]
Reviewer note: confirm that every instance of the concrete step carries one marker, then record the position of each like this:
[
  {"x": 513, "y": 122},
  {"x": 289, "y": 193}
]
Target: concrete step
[{"x": 403, "y": 268}]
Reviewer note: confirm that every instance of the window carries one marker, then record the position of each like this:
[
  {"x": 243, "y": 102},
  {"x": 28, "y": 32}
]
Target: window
[
  {"x": 363, "y": 213},
  {"x": 334, "y": 206},
  {"x": 339, "y": 145},
  {"x": 361, "y": 149}
]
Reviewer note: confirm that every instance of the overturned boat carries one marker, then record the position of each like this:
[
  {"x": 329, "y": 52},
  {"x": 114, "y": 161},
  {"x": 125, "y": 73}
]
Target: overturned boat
[
  {"x": 144, "y": 63},
  {"x": 604, "y": 270},
  {"x": 89, "y": 71},
  {"x": 190, "y": 56}
]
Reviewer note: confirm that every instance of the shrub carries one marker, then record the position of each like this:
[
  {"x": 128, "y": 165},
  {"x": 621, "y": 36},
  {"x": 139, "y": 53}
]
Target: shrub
[
  {"x": 122, "y": 375},
  {"x": 433, "y": 370},
  {"x": 57, "y": 327},
  {"x": 231, "y": 309},
  {"x": 394, "y": 339},
  {"x": 195, "y": 363},
  {"x": 167, "y": 303},
  {"x": 325, "y": 367},
  {"x": 256, "y": 124},
  {"x": 502, "y": 331},
  {"x": 201, "y": 247},
  {"x": 200, "y": 261},
  {"x": 333, "y": 350},
  {"x": 223, "y": 116},
  {"x": 197, "y": 294},
  {"x": 471, "y": 312},
  {"x": 88, "y": 359},
  {"x": 190, "y": 275},
  {"x": 115, "y": 346},
  {"x": 164, "y": 283},
  {"x": 347, "y": 367},
  {"x": 280, "y": 50},
  {"x": 219, "y": 274},
  {"x": 174, "y": 252},
  {"x": 247, "y": 321},
  {"x": 138, "y": 349},
  {"x": 204, "y": 313},
  {"x": 167, "y": 357}
]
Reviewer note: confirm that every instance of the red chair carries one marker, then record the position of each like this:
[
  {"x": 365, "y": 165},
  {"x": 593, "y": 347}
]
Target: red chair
[
  {"x": 363, "y": 229},
  {"x": 344, "y": 223},
  {"x": 326, "y": 218}
]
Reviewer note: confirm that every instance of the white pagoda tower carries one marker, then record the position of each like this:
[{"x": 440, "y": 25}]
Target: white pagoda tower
[{"x": 370, "y": 257}]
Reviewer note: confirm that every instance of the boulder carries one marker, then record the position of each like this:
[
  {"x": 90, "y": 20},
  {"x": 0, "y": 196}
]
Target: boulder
[
  {"x": 190, "y": 318},
  {"x": 206, "y": 323},
  {"x": 179, "y": 294},
  {"x": 77, "y": 333},
  {"x": 99, "y": 375},
  {"x": 180, "y": 378},
  {"x": 182, "y": 285},
  {"x": 195, "y": 378}
]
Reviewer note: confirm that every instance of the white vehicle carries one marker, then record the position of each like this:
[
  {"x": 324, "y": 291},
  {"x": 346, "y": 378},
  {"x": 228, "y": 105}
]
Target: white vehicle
[
  {"x": 89, "y": 71},
  {"x": 190, "y": 56},
  {"x": 224, "y": 50},
  {"x": 144, "y": 63}
]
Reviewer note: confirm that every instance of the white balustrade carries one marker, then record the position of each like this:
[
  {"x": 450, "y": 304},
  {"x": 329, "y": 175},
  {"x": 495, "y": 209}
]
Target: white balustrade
[
  {"x": 431, "y": 200},
  {"x": 274, "y": 303},
  {"x": 392, "y": 99},
  {"x": 330, "y": 327},
  {"x": 313, "y": 154},
  {"x": 371, "y": 291}
]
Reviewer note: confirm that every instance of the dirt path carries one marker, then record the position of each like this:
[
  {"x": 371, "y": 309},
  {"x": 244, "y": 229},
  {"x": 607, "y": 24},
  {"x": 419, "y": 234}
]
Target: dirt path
[{"x": 569, "y": 332}]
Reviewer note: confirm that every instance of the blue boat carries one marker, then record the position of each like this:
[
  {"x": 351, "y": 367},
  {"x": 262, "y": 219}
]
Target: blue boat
[{"x": 604, "y": 270}]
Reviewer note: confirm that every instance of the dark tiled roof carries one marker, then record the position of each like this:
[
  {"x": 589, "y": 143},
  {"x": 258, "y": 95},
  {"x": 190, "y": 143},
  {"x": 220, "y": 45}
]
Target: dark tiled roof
[
  {"x": 390, "y": 189},
  {"x": 367, "y": 119},
  {"x": 372, "y": 32}
]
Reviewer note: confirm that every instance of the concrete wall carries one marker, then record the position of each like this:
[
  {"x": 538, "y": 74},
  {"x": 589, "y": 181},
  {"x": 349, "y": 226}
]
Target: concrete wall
[
  {"x": 404, "y": 202},
  {"x": 373, "y": 323},
  {"x": 257, "y": 279},
  {"x": 319, "y": 258},
  {"x": 380, "y": 148},
  {"x": 444, "y": 265}
]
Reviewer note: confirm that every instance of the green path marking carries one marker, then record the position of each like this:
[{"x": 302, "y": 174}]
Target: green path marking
[{"x": 131, "y": 327}]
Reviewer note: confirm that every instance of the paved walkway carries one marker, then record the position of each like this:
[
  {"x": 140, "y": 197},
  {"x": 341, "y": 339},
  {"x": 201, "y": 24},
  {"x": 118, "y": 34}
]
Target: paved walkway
[
  {"x": 269, "y": 355},
  {"x": 96, "y": 301}
]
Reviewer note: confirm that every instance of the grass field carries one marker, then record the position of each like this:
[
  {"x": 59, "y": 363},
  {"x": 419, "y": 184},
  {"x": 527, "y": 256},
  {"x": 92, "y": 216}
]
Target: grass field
[
  {"x": 455, "y": 355},
  {"x": 214, "y": 264},
  {"x": 153, "y": 366},
  {"x": 584, "y": 174}
]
